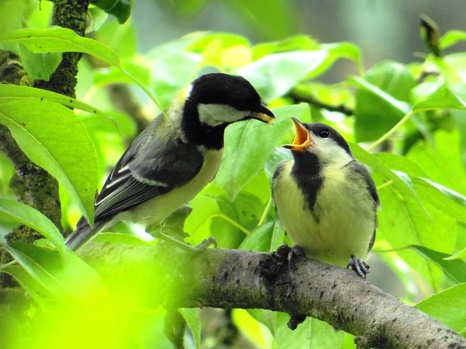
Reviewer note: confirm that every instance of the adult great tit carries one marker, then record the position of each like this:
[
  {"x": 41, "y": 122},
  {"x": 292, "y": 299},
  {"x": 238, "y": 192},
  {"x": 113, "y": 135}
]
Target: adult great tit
[
  {"x": 175, "y": 156},
  {"x": 325, "y": 199}
]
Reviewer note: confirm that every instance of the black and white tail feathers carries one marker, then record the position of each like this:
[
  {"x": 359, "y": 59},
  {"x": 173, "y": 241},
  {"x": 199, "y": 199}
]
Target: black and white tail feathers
[{"x": 82, "y": 234}]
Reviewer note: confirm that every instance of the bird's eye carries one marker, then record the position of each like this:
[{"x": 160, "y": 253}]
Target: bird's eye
[{"x": 324, "y": 133}]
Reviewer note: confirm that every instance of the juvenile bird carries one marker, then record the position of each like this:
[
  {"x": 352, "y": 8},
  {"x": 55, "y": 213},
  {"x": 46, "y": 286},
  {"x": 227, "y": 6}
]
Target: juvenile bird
[
  {"x": 325, "y": 199},
  {"x": 175, "y": 156}
]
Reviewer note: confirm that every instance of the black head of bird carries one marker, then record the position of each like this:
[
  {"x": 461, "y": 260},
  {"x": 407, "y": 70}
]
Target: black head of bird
[
  {"x": 326, "y": 200},
  {"x": 175, "y": 156},
  {"x": 216, "y": 100}
]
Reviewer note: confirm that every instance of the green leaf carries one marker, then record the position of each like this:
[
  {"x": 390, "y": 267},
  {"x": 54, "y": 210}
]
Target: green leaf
[
  {"x": 249, "y": 144},
  {"x": 10, "y": 91},
  {"x": 259, "y": 239},
  {"x": 40, "y": 293},
  {"x": 122, "y": 239},
  {"x": 39, "y": 65},
  {"x": 455, "y": 269},
  {"x": 213, "y": 215},
  {"x": 121, "y": 9},
  {"x": 274, "y": 75},
  {"x": 452, "y": 37},
  {"x": 292, "y": 43},
  {"x": 36, "y": 220},
  {"x": 191, "y": 316},
  {"x": 448, "y": 307},
  {"x": 430, "y": 33},
  {"x": 380, "y": 99},
  {"x": 443, "y": 98},
  {"x": 65, "y": 275},
  {"x": 52, "y": 136},
  {"x": 458, "y": 255},
  {"x": 19, "y": 251},
  {"x": 441, "y": 161},
  {"x": 403, "y": 219},
  {"x": 60, "y": 40},
  {"x": 445, "y": 199}
]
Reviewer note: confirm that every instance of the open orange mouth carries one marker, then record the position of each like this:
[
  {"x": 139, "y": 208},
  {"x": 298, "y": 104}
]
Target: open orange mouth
[{"x": 302, "y": 140}]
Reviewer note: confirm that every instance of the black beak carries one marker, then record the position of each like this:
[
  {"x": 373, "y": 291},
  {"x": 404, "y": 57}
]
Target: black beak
[{"x": 263, "y": 114}]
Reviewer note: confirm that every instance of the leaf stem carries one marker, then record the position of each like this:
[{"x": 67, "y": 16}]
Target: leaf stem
[
  {"x": 233, "y": 223},
  {"x": 391, "y": 132},
  {"x": 266, "y": 211}
]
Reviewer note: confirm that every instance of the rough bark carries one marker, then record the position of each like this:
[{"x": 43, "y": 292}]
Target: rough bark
[{"x": 240, "y": 279}]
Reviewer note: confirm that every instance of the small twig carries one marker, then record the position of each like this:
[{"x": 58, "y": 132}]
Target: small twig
[{"x": 299, "y": 97}]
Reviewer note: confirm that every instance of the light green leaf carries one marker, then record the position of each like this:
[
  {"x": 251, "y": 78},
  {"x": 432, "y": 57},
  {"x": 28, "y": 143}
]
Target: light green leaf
[
  {"x": 274, "y": 75},
  {"x": 52, "y": 136},
  {"x": 443, "y": 98},
  {"x": 37, "y": 271},
  {"x": 259, "y": 239},
  {"x": 452, "y": 37},
  {"x": 65, "y": 275},
  {"x": 458, "y": 255},
  {"x": 10, "y": 91},
  {"x": 36, "y": 220},
  {"x": 448, "y": 307},
  {"x": 191, "y": 316},
  {"x": 455, "y": 269},
  {"x": 249, "y": 144},
  {"x": 59, "y": 40},
  {"x": 37, "y": 291},
  {"x": 213, "y": 215},
  {"x": 39, "y": 65},
  {"x": 292, "y": 43},
  {"x": 441, "y": 161}
]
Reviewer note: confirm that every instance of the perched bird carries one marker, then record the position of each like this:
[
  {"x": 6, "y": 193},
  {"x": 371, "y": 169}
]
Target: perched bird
[
  {"x": 175, "y": 156},
  {"x": 325, "y": 199}
]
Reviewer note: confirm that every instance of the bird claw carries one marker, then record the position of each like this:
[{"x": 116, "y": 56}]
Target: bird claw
[
  {"x": 359, "y": 266},
  {"x": 205, "y": 244}
]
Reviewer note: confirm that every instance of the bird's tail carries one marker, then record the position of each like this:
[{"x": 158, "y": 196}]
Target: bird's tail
[{"x": 82, "y": 234}]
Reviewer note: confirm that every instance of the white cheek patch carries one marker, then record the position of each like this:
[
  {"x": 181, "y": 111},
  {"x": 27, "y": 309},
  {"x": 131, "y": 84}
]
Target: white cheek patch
[
  {"x": 329, "y": 152},
  {"x": 216, "y": 114}
]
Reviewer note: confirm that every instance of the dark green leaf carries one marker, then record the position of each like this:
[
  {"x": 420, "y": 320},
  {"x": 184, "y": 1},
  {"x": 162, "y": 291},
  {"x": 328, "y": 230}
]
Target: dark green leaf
[
  {"x": 446, "y": 200},
  {"x": 380, "y": 99},
  {"x": 121, "y": 9},
  {"x": 455, "y": 269},
  {"x": 430, "y": 34}
]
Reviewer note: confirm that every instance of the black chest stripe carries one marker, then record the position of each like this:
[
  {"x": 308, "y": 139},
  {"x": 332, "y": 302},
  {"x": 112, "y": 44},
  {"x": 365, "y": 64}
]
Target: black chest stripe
[{"x": 306, "y": 171}]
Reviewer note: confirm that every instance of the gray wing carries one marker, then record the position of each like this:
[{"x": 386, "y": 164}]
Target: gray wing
[
  {"x": 150, "y": 167},
  {"x": 154, "y": 164},
  {"x": 364, "y": 172}
]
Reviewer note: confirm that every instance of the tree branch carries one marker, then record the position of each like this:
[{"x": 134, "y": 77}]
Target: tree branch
[
  {"x": 241, "y": 279},
  {"x": 298, "y": 96}
]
